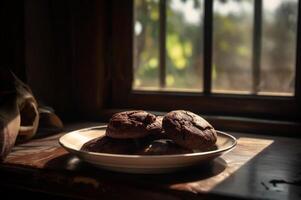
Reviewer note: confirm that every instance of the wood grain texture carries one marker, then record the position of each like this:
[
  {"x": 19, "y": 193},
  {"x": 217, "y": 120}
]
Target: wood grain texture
[
  {"x": 122, "y": 45},
  {"x": 259, "y": 167},
  {"x": 48, "y": 52},
  {"x": 66, "y": 54}
]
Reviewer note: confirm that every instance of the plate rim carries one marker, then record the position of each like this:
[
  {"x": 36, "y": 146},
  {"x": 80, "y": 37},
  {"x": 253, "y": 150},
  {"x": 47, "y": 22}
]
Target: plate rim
[{"x": 146, "y": 156}]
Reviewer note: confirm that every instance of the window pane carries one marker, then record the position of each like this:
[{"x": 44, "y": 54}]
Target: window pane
[
  {"x": 232, "y": 46},
  {"x": 233, "y": 29},
  {"x": 279, "y": 30},
  {"x": 184, "y": 41},
  {"x": 146, "y": 44}
]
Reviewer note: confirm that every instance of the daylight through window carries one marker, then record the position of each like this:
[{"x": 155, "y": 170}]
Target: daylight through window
[{"x": 253, "y": 45}]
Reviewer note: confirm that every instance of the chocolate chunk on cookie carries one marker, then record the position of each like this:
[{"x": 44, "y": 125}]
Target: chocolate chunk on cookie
[
  {"x": 189, "y": 130},
  {"x": 130, "y": 124},
  {"x": 164, "y": 147},
  {"x": 156, "y": 130}
]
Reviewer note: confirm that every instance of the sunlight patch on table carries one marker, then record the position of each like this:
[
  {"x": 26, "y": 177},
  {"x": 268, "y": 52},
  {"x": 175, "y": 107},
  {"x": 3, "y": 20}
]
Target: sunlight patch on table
[{"x": 246, "y": 149}]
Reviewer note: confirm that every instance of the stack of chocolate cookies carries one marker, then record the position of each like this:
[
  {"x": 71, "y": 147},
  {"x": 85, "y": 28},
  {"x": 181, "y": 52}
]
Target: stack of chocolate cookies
[{"x": 141, "y": 133}]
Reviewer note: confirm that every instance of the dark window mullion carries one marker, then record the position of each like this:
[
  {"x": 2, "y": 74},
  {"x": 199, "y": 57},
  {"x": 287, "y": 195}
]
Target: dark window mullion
[
  {"x": 298, "y": 59},
  {"x": 162, "y": 43},
  {"x": 256, "y": 46},
  {"x": 208, "y": 32}
]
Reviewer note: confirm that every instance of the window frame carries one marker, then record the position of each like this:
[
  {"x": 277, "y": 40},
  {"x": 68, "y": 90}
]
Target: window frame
[{"x": 122, "y": 96}]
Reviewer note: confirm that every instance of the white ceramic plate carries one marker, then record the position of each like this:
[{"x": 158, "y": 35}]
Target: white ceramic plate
[{"x": 151, "y": 164}]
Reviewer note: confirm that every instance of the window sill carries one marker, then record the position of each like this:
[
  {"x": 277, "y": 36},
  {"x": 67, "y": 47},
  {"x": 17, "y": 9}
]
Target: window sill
[{"x": 238, "y": 124}]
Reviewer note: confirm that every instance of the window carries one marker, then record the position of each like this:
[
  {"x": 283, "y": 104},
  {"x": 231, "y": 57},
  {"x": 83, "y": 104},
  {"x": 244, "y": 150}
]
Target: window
[
  {"x": 168, "y": 38},
  {"x": 229, "y": 57}
]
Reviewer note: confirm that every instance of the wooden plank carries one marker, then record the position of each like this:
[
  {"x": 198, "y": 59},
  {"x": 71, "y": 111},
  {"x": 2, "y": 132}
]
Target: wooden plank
[
  {"x": 89, "y": 29},
  {"x": 122, "y": 46},
  {"x": 66, "y": 54}
]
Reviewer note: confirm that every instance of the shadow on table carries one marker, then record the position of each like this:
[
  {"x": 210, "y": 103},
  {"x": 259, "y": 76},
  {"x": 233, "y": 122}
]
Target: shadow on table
[{"x": 71, "y": 163}]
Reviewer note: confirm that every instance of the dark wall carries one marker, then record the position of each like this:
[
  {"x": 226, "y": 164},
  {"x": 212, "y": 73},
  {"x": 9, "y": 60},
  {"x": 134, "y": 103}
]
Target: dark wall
[
  {"x": 12, "y": 36},
  {"x": 59, "y": 48}
]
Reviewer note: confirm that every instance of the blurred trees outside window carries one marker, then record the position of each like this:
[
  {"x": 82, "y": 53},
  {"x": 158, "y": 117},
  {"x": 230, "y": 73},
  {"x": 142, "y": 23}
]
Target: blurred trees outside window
[
  {"x": 279, "y": 39},
  {"x": 232, "y": 45}
]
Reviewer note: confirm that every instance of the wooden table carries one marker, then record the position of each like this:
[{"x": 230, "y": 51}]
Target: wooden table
[{"x": 258, "y": 168}]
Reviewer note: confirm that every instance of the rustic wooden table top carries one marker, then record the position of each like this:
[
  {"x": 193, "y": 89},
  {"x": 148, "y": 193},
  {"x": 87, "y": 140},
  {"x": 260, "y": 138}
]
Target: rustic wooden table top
[{"x": 260, "y": 167}]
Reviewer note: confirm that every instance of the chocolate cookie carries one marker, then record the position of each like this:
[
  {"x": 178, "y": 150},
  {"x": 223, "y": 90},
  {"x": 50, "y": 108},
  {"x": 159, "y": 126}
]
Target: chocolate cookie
[
  {"x": 163, "y": 147},
  {"x": 130, "y": 124},
  {"x": 111, "y": 145},
  {"x": 189, "y": 130}
]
